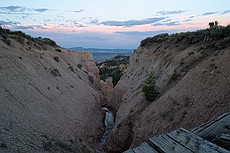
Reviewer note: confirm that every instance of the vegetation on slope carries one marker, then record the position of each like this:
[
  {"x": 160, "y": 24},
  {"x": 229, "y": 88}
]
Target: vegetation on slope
[
  {"x": 217, "y": 36},
  {"x": 113, "y": 68},
  {"x": 149, "y": 88},
  {"x": 20, "y": 36}
]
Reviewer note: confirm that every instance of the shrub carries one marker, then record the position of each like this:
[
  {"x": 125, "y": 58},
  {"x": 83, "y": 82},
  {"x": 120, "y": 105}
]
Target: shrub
[
  {"x": 174, "y": 76},
  {"x": 7, "y": 41},
  {"x": 4, "y": 36},
  {"x": 3, "y": 145},
  {"x": 50, "y": 42},
  {"x": 19, "y": 39},
  {"x": 56, "y": 59},
  {"x": 149, "y": 88},
  {"x": 58, "y": 50},
  {"x": 91, "y": 79},
  {"x": 158, "y": 38},
  {"x": 55, "y": 72},
  {"x": 79, "y": 66},
  {"x": 19, "y": 33},
  {"x": 211, "y": 35},
  {"x": 21, "y": 36},
  {"x": 71, "y": 68}
]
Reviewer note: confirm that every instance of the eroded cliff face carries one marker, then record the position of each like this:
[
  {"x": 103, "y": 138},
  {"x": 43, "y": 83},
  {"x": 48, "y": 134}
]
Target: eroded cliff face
[
  {"x": 49, "y": 99},
  {"x": 193, "y": 80}
]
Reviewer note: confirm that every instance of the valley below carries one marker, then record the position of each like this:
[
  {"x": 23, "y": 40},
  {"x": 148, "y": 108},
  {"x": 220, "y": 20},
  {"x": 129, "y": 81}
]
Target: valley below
[{"x": 54, "y": 99}]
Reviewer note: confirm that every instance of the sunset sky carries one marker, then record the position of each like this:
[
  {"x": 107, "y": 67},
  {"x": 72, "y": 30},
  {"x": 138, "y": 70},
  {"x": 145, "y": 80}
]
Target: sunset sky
[{"x": 109, "y": 23}]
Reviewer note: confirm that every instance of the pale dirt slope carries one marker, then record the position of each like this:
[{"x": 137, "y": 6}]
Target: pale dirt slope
[
  {"x": 194, "y": 84},
  {"x": 45, "y": 104}
]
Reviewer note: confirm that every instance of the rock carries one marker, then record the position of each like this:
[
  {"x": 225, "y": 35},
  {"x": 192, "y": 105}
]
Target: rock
[{"x": 107, "y": 90}]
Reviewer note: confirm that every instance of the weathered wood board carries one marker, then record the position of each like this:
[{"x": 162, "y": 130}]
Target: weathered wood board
[
  {"x": 194, "y": 143},
  {"x": 143, "y": 148},
  {"x": 183, "y": 141},
  {"x": 213, "y": 128},
  {"x": 165, "y": 144},
  {"x": 129, "y": 151}
]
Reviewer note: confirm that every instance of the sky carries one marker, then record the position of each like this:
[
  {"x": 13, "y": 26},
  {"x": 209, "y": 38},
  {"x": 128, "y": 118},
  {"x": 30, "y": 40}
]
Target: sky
[{"x": 111, "y": 24}]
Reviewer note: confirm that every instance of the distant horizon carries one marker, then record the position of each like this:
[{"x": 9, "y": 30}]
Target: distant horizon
[
  {"x": 100, "y": 48},
  {"x": 114, "y": 24}
]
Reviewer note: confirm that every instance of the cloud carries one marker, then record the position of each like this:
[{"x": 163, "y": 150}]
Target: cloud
[
  {"x": 15, "y": 13},
  {"x": 7, "y": 22},
  {"x": 80, "y": 25},
  {"x": 94, "y": 22},
  {"x": 209, "y": 13},
  {"x": 41, "y": 10},
  {"x": 24, "y": 27},
  {"x": 141, "y": 34},
  {"x": 13, "y": 9},
  {"x": 173, "y": 23},
  {"x": 171, "y": 12},
  {"x": 226, "y": 12},
  {"x": 39, "y": 26},
  {"x": 78, "y": 11},
  {"x": 20, "y": 10},
  {"x": 130, "y": 23},
  {"x": 137, "y": 35},
  {"x": 84, "y": 39},
  {"x": 76, "y": 24}
]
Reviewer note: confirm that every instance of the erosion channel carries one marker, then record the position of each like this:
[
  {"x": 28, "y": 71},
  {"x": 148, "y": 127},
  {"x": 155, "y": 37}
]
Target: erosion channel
[{"x": 109, "y": 124}]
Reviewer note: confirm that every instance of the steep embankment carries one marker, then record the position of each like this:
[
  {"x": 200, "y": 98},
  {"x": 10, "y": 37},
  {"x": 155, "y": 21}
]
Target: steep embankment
[
  {"x": 193, "y": 79},
  {"x": 49, "y": 99}
]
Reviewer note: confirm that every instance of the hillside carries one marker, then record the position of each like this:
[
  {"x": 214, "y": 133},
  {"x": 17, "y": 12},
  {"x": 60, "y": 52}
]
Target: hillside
[
  {"x": 100, "y": 55},
  {"x": 49, "y": 96},
  {"x": 113, "y": 68},
  {"x": 192, "y": 80},
  {"x": 100, "y": 50}
]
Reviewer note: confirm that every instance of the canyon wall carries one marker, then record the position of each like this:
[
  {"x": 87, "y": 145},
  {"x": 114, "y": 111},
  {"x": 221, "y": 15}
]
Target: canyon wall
[
  {"x": 193, "y": 80},
  {"x": 49, "y": 99}
]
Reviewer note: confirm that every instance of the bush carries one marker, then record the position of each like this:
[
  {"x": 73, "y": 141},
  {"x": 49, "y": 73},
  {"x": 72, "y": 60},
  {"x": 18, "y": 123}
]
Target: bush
[
  {"x": 211, "y": 35},
  {"x": 20, "y": 36},
  {"x": 55, "y": 72},
  {"x": 79, "y": 66},
  {"x": 149, "y": 88},
  {"x": 71, "y": 68},
  {"x": 56, "y": 59},
  {"x": 174, "y": 76},
  {"x": 50, "y": 42},
  {"x": 3, "y": 145},
  {"x": 158, "y": 38},
  {"x": 4, "y": 37},
  {"x": 19, "y": 39},
  {"x": 91, "y": 79},
  {"x": 7, "y": 41},
  {"x": 58, "y": 50}
]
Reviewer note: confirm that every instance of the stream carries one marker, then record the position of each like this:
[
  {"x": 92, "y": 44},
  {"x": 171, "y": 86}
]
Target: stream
[{"x": 109, "y": 124}]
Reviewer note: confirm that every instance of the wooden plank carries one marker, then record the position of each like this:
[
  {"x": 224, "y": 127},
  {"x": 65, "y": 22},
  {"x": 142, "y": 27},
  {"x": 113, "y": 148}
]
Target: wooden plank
[
  {"x": 144, "y": 148},
  {"x": 213, "y": 128},
  {"x": 225, "y": 137},
  {"x": 129, "y": 151},
  {"x": 165, "y": 144},
  {"x": 194, "y": 143}
]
